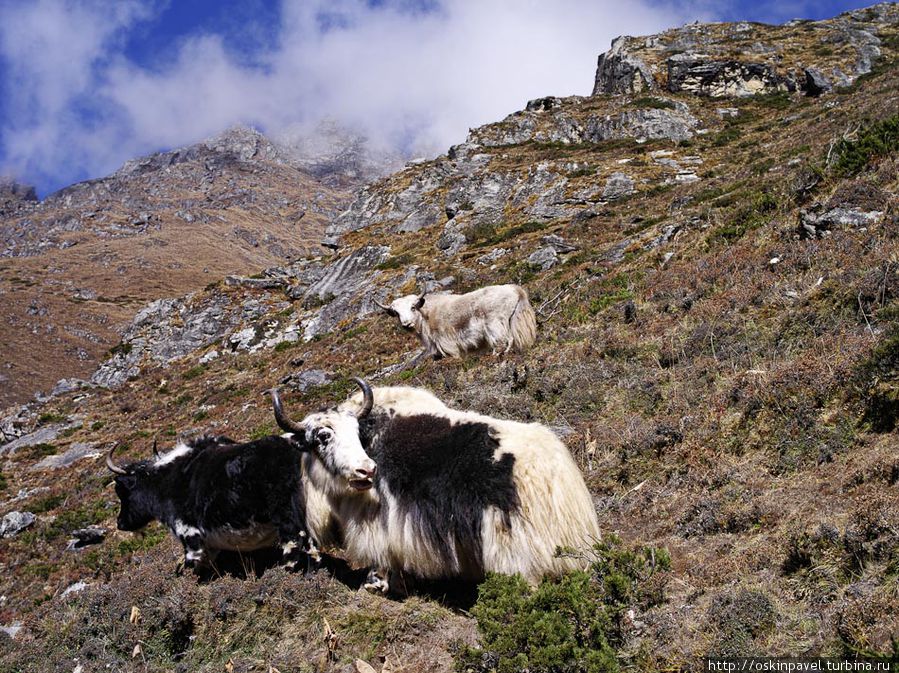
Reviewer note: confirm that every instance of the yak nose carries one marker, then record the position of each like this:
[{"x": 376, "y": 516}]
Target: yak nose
[{"x": 367, "y": 472}]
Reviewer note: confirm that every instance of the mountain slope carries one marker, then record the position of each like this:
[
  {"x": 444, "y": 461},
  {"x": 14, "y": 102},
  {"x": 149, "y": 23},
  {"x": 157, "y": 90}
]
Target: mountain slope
[
  {"x": 716, "y": 278},
  {"x": 81, "y": 262}
]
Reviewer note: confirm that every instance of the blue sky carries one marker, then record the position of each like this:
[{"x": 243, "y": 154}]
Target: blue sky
[{"x": 88, "y": 84}]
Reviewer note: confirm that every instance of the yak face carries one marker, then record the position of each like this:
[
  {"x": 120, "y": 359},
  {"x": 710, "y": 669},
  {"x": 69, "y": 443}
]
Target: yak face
[
  {"x": 333, "y": 436},
  {"x": 407, "y": 309},
  {"x": 134, "y": 513}
]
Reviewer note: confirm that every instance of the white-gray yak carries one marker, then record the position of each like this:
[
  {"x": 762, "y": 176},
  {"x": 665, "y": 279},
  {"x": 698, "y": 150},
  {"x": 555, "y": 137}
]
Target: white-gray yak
[
  {"x": 454, "y": 494},
  {"x": 498, "y": 317}
]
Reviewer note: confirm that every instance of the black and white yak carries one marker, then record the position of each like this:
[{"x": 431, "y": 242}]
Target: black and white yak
[
  {"x": 454, "y": 495},
  {"x": 498, "y": 317},
  {"x": 215, "y": 494}
]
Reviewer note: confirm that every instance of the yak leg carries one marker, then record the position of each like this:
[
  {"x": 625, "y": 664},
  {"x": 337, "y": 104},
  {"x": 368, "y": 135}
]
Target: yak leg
[
  {"x": 291, "y": 532},
  {"x": 377, "y": 581}
]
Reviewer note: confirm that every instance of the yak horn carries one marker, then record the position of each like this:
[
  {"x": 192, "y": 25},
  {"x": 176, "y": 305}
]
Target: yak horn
[
  {"x": 283, "y": 422},
  {"x": 368, "y": 397},
  {"x": 155, "y": 449},
  {"x": 386, "y": 309},
  {"x": 111, "y": 465}
]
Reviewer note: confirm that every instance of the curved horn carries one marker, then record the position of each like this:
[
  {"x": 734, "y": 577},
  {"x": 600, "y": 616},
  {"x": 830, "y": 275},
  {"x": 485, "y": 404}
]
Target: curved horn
[
  {"x": 111, "y": 465},
  {"x": 386, "y": 309},
  {"x": 368, "y": 396},
  {"x": 283, "y": 422},
  {"x": 155, "y": 449}
]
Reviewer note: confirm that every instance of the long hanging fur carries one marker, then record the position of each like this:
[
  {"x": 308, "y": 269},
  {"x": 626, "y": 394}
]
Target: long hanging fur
[{"x": 523, "y": 324}]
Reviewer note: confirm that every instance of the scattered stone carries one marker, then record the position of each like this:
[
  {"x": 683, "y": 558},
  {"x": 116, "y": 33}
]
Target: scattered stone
[
  {"x": 85, "y": 294},
  {"x": 256, "y": 283},
  {"x": 630, "y": 311},
  {"x": 209, "y": 357},
  {"x": 43, "y": 435},
  {"x": 84, "y": 537},
  {"x": 559, "y": 244},
  {"x": 816, "y": 83},
  {"x": 617, "y": 186},
  {"x": 306, "y": 379},
  {"x": 492, "y": 256},
  {"x": 75, "y": 588},
  {"x": 15, "y": 522},
  {"x": 816, "y": 225},
  {"x": 12, "y": 630},
  {"x": 544, "y": 258},
  {"x": 78, "y": 451},
  {"x": 728, "y": 112},
  {"x": 64, "y": 386}
]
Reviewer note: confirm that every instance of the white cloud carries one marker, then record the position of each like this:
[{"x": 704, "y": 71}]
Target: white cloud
[{"x": 405, "y": 76}]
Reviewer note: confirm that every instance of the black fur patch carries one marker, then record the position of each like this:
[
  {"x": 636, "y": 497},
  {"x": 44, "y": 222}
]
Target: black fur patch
[
  {"x": 219, "y": 484},
  {"x": 444, "y": 476}
]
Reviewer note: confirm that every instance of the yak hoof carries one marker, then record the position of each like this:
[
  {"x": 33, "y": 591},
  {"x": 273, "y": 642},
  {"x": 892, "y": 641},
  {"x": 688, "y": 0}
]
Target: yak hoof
[{"x": 376, "y": 583}]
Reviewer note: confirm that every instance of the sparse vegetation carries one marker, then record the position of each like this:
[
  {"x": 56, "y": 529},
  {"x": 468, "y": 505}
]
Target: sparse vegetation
[{"x": 880, "y": 139}]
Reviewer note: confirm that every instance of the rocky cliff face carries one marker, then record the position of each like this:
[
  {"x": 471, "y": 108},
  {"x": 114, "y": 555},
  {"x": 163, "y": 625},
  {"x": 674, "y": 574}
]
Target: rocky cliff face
[
  {"x": 711, "y": 246},
  {"x": 79, "y": 264},
  {"x": 743, "y": 59}
]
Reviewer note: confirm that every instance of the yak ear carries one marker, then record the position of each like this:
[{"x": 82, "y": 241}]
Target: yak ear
[{"x": 419, "y": 303}]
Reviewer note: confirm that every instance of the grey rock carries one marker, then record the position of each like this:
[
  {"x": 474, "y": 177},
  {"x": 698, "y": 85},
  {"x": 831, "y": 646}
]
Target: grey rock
[
  {"x": 306, "y": 379},
  {"x": 453, "y": 238},
  {"x": 615, "y": 253},
  {"x": 668, "y": 233},
  {"x": 425, "y": 216},
  {"x": 618, "y": 71},
  {"x": 64, "y": 386},
  {"x": 75, "y": 588},
  {"x": 13, "y": 425},
  {"x": 492, "y": 256},
  {"x": 544, "y": 258},
  {"x": 559, "y": 244},
  {"x": 347, "y": 274},
  {"x": 43, "y": 435},
  {"x": 256, "y": 283},
  {"x": 78, "y": 451},
  {"x": 817, "y": 224},
  {"x": 428, "y": 283},
  {"x": 345, "y": 289},
  {"x": 641, "y": 125},
  {"x": 546, "y": 104},
  {"x": 15, "y": 522},
  {"x": 617, "y": 186},
  {"x": 702, "y": 76},
  {"x": 206, "y": 358},
  {"x": 816, "y": 83},
  {"x": 168, "y": 329},
  {"x": 84, "y": 537},
  {"x": 12, "y": 630}
]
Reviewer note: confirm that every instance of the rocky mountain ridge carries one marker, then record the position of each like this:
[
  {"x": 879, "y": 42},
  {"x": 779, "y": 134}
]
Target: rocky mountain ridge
[{"x": 716, "y": 279}]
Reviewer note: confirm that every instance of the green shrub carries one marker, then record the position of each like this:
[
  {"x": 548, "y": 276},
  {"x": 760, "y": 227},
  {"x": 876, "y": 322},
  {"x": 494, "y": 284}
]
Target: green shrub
[
  {"x": 194, "y": 372},
  {"x": 572, "y": 624},
  {"x": 757, "y": 212},
  {"x": 876, "y": 384},
  {"x": 655, "y": 103},
  {"x": 879, "y": 139},
  {"x": 50, "y": 417},
  {"x": 39, "y": 450}
]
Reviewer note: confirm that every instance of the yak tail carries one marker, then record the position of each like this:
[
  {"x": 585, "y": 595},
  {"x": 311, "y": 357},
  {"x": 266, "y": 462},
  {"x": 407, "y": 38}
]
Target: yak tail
[{"x": 523, "y": 323}]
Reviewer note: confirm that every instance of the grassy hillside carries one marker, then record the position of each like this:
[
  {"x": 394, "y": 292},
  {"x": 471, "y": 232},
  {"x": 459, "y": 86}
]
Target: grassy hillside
[{"x": 720, "y": 355}]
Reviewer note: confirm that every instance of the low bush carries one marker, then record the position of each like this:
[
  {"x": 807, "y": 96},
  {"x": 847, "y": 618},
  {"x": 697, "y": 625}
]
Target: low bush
[{"x": 572, "y": 624}]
